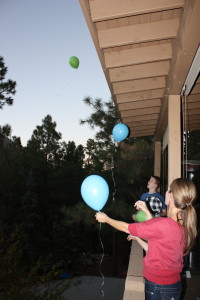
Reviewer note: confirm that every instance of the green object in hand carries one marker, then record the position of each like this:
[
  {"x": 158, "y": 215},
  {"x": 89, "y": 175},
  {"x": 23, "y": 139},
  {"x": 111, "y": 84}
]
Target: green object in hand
[{"x": 141, "y": 216}]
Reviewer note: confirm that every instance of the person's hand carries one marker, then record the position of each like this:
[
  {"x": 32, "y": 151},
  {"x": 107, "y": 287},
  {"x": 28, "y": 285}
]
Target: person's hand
[
  {"x": 141, "y": 205},
  {"x": 131, "y": 237},
  {"x": 101, "y": 217},
  {"x": 133, "y": 217},
  {"x": 137, "y": 207}
]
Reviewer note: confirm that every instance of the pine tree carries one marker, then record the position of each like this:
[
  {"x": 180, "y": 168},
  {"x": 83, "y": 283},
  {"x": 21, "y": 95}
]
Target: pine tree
[{"x": 7, "y": 87}]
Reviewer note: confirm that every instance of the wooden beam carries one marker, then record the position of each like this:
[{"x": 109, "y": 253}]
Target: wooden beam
[
  {"x": 192, "y": 118},
  {"x": 194, "y": 122},
  {"x": 138, "y": 33},
  {"x": 143, "y": 128},
  {"x": 138, "y": 85},
  {"x": 138, "y": 55},
  {"x": 174, "y": 138},
  {"x": 193, "y": 105},
  {"x": 185, "y": 47},
  {"x": 137, "y": 118},
  {"x": 86, "y": 11},
  {"x": 111, "y": 9},
  {"x": 143, "y": 132},
  {"x": 194, "y": 127},
  {"x": 196, "y": 89},
  {"x": 191, "y": 112},
  {"x": 139, "y": 104},
  {"x": 142, "y": 95},
  {"x": 140, "y": 112},
  {"x": 193, "y": 98},
  {"x": 140, "y": 135},
  {"x": 154, "y": 69},
  {"x": 141, "y": 123}
]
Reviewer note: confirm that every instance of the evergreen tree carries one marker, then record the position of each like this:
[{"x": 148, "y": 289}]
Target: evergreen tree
[
  {"x": 12, "y": 181},
  {"x": 43, "y": 153},
  {"x": 103, "y": 119},
  {"x": 93, "y": 162},
  {"x": 57, "y": 170},
  {"x": 46, "y": 139},
  {"x": 72, "y": 173},
  {"x": 7, "y": 87},
  {"x": 29, "y": 218},
  {"x": 5, "y": 133}
]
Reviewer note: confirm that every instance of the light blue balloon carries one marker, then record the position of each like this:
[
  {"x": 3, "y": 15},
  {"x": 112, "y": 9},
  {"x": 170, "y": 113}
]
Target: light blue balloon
[
  {"x": 120, "y": 132},
  {"x": 95, "y": 191}
]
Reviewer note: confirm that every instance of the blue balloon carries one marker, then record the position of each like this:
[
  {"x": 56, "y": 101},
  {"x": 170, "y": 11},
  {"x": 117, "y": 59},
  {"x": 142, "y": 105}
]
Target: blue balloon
[
  {"x": 95, "y": 191},
  {"x": 120, "y": 132}
]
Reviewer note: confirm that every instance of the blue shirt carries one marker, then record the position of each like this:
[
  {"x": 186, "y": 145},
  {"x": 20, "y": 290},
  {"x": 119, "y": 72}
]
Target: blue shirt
[{"x": 155, "y": 203}]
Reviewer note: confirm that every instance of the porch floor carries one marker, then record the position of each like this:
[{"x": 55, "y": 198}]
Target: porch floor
[
  {"x": 90, "y": 287},
  {"x": 191, "y": 288}
]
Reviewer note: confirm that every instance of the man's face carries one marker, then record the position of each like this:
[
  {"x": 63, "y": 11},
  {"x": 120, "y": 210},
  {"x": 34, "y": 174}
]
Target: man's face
[{"x": 152, "y": 183}]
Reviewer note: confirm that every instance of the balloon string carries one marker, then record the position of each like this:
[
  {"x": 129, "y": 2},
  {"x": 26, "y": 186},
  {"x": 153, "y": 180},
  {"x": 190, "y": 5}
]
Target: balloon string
[
  {"x": 114, "y": 182},
  {"x": 67, "y": 84},
  {"x": 101, "y": 262},
  {"x": 112, "y": 170},
  {"x": 72, "y": 78}
]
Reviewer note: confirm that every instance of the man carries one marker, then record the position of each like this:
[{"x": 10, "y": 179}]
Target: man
[{"x": 154, "y": 200}]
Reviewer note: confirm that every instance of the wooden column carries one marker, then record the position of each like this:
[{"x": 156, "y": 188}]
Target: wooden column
[
  {"x": 174, "y": 137},
  {"x": 157, "y": 158}
]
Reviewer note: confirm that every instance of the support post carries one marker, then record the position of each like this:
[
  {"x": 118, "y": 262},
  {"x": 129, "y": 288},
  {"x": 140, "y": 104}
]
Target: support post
[
  {"x": 157, "y": 158},
  {"x": 174, "y": 137}
]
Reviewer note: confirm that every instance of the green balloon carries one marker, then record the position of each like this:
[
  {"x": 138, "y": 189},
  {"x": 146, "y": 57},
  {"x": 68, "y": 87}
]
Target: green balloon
[
  {"x": 74, "y": 62},
  {"x": 141, "y": 216}
]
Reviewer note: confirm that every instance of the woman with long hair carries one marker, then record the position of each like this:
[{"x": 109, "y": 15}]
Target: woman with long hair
[{"x": 165, "y": 240}]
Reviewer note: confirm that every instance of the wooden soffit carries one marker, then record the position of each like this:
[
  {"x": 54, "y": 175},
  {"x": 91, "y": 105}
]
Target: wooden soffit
[{"x": 146, "y": 48}]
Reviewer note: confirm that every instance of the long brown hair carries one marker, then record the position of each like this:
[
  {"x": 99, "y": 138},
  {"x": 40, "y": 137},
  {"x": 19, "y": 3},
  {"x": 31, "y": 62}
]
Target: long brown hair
[{"x": 184, "y": 193}]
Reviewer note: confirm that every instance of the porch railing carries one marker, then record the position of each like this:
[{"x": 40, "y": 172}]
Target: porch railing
[{"x": 134, "y": 284}]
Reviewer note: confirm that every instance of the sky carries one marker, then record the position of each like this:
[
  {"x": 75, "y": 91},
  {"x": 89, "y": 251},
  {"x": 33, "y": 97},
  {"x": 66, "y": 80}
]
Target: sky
[{"x": 38, "y": 37}]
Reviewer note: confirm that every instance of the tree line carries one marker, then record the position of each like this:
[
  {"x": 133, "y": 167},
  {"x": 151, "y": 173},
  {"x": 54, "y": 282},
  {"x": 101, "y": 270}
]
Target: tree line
[
  {"x": 43, "y": 219},
  {"x": 42, "y": 215}
]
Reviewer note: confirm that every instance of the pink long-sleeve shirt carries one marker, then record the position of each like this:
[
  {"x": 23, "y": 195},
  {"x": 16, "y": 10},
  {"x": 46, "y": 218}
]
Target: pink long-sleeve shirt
[{"x": 166, "y": 241}]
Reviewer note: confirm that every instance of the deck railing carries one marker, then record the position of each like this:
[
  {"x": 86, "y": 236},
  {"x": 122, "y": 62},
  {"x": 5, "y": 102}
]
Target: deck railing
[{"x": 134, "y": 284}]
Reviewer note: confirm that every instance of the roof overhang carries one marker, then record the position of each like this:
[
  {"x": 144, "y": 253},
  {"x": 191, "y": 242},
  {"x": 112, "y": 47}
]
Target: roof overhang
[{"x": 146, "y": 48}]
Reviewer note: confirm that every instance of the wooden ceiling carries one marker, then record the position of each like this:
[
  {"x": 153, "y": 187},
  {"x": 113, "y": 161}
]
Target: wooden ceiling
[{"x": 146, "y": 48}]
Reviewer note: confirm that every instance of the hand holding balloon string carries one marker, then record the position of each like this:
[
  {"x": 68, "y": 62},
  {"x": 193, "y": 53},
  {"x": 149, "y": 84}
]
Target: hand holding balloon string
[
  {"x": 142, "y": 207},
  {"x": 101, "y": 217}
]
